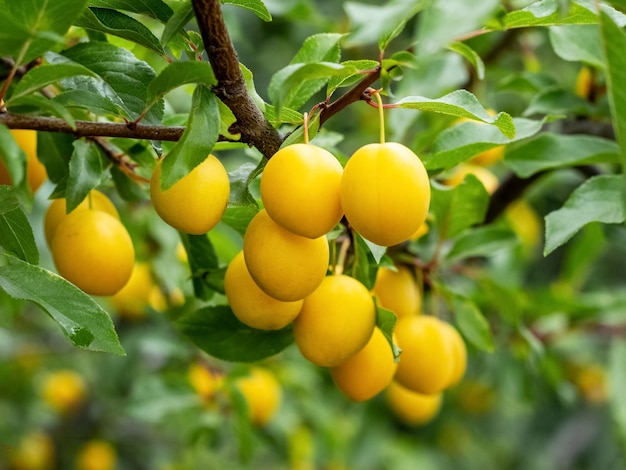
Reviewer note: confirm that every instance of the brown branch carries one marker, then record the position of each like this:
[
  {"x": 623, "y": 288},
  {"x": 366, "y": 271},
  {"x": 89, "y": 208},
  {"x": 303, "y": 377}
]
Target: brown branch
[{"x": 231, "y": 89}]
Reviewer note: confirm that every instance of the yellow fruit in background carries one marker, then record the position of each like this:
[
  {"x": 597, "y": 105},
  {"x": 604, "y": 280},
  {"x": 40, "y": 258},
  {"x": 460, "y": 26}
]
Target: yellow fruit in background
[
  {"x": 35, "y": 451},
  {"x": 412, "y": 408},
  {"x": 488, "y": 157},
  {"x": 584, "y": 82},
  {"x": 132, "y": 300},
  {"x": 335, "y": 322},
  {"x": 262, "y": 393},
  {"x": 486, "y": 177},
  {"x": 459, "y": 353},
  {"x": 196, "y": 202},
  {"x": 57, "y": 211},
  {"x": 385, "y": 192},
  {"x": 475, "y": 397},
  {"x": 284, "y": 265},
  {"x": 369, "y": 371},
  {"x": 300, "y": 189},
  {"x": 64, "y": 390},
  {"x": 204, "y": 381},
  {"x": 420, "y": 232},
  {"x": 525, "y": 222},
  {"x": 397, "y": 291},
  {"x": 96, "y": 455},
  {"x": 427, "y": 361},
  {"x": 250, "y": 304},
  {"x": 36, "y": 173},
  {"x": 93, "y": 250}
]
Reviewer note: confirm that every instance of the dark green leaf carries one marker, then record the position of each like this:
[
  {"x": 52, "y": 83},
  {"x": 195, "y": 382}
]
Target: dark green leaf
[
  {"x": 81, "y": 319},
  {"x": 481, "y": 241},
  {"x": 91, "y": 101},
  {"x": 87, "y": 166},
  {"x": 118, "y": 24},
  {"x": 198, "y": 139},
  {"x": 353, "y": 74},
  {"x": 217, "y": 331},
  {"x": 156, "y": 9},
  {"x": 255, "y": 6},
  {"x": 202, "y": 259},
  {"x": 599, "y": 199},
  {"x": 177, "y": 74},
  {"x": 128, "y": 189},
  {"x": 16, "y": 234},
  {"x": 238, "y": 217},
  {"x": 43, "y": 106},
  {"x": 181, "y": 17},
  {"x": 240, "y": 180},
  {"x": 578, "y": 43},
  {"x": 40, "y": 77},
  {"x": 386, "y": 322},
  {"x": 472, "y": 323},
  {"x": 364, "y": 266},
  {"x": 59, "y": 149}
]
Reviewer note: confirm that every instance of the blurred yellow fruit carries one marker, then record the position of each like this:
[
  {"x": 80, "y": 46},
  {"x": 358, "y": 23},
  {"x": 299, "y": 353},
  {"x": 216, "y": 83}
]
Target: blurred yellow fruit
[
  {"x": 286, "y": 266},
  {"x": 397, "y": 291},
  {"x": 525, "y": 222},
  {"x": 420, "y": 232},
  {"x": 204, "y": 381},
  {"x": 262, "y": 393},
  {"x": 335, "y": 322},
  {"x": 64, "y": 390},
  {"x": 584, "y": 82},
  {"x": 427, "y": 361},
  {"x": 591, "y": 382},
  {"x": 250, "y": 304},
  {"x": 131, "y": 301},
  {"x": 488, "y": 157},
  {"x": 96, "y": 455},
  {"x": 459, "y": 353},
  {"x": 93, "y": 250},
  {"x": 36, "y": 174},
  {"x": 196, "y": 202},
  {"x": 412, "y": 408},
  {"x": 157, "y": 300},
  {"x": 34, "y": 452},
  {"x": 57, "y": 211},
  {"x": 475, "y": 397},
  {"x": 369, "y": 371},
  {"x": 486, "y": 177},
  {"x": 385, "y": 192},
  {"x": 300, "y": 189}
]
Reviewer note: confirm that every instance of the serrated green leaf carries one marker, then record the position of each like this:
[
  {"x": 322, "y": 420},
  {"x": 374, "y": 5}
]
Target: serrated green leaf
[
  {"x": 323, "y": 47},
  {"x": 40, "y": 77},
  {"x": 239, "y": 217},
  {"x": 202, "y": 260},
  {"x": 599, "y": 199},
  {"x": 353, "y": 74},
  {"x": 460, "y": 207},
  {"x": 471, "y": 56},
  {"x": 59, "y": 149},
  {"x": 578, "y": 43},
  {"x": 198, "y": 139},
  {"x": 462, "y": 141},
  {"x": 156, "y": 9},
  {"x": 80, "y": 318},
  {"x": 463, "y": 104},
  {"x": 91, "y": 101},
  {"x": 472, "y": 323},
  {"x": 481, "y": 241},
  {"x": 549, "y": 151},
  {"x": 386, "y": 323},
  {"x": 16, "y": 234},
  {"x": 240, "y": 180},
  {"x": 87, "y": 166},
  {"x": 43, "y": 106},
  {"x": 364, "y": 266},
  {"x": 255, "y": 6},
  {"x": 181, "y": 17},
  {"x": 118, "y": 24},
  {"x": 547, "y": 13},
  {"x": 177, "y": 74},
  {"x": 31, "y": 27},
  {"x": 217, "y": 331}
]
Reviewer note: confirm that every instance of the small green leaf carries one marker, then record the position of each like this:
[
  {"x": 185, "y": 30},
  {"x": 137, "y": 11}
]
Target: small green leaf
[
  {"x": 460, "y": 103},
  {"x": 386, "y": 321},
  {"x": 557, "y": 102},
  {"x": 217, "y": 331},
  {"x": 255, "y": 6},
  {"x": 481, "y": 241},
  {"x": 40, "y": 77},
  {"x": 87, "y": 166},
  {"x": 472, "y": 323},
  {"x": 177, "y": 74},
  {"x": 198, "y": 139},
  {"x": 547, "y": 13},
  {"x": 118, "y": 24},
  {"x": 599, "y": 199},
  {"x": 202, "y": 260},
  {"x": 578, "y": 43},
  {"x": 549, "y": 151},
  {"x": 80, "y": 318},
  {"x": 364, "y": 266},
  {"x": 240, "y": 180},
  {"x": 59, "y": 149},
  {"x": 13, "y": 158},
  {"x": 354, "y": 73},
  {"x": 91, "y": 101},
  {"x": 323, "y": 47},
  {"x": 156, "y": 9},
  {"x": 44, "y": 106},
  {"x": 239, "y": 217},
  {"x": 16, "y": 234},
  {"x": 177, "y": 22},
  {"x": 471, "y": 56}
]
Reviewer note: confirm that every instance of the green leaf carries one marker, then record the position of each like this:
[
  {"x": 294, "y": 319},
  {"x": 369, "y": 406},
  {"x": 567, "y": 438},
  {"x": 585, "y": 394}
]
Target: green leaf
[
  {"x": 177, "y": 22},
  {"x": 617, "y": 382},
  {"x": 87, "y": 166},
  {"x": 599, "y": 199},
  {"x": 42, "y": 106},
  {"x": 16, "y": 234},
  {"x": 460, "y": 207},
  {"x": 40, "y": 77},
  {"x": 582, "y": 254},
  {"x": 217, "y": 331},
  {"x": 59, "y": 149},
  {"x": 462, "y": 141},
  {"x": 481, "y": 241},
  {"x": 240, "y": 180},
  {"x": 156, "y": 9},
  {"x": 556, "y": 101},
  {"x": 471, "y": 56},
  {"x": 91, "y": 101},
  {"x": 386, "y": 322},
  {"x": 198, "y": 139},
  {"x": 546, "y": 13},
  {"x": 127, "y": 188},
  {"x": 80, "y": 318},
  {"x": 202, "y": 260},
  {"x": 354, "y": 73},
  {"x": 323, "y": 47},
  {"x": 13, "y": 157},
  {"x": 549, "y": 151},
  {"x": 118, "y": 24},
  {"x": 578, "y": 43},
  {"x": 463, "y": 104},
  {"x": 239, "y": 217},
  {"x": 255, "y": 6},
  {"x": 177, "y": 74},
  {"x": 472, "y": 323},
  {"x": 31, "y": 27},
  {"x": 364, "y": 266}
]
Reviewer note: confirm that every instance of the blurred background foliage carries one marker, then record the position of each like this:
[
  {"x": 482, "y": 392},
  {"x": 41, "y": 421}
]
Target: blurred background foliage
[{"x": 547, "y": 397}]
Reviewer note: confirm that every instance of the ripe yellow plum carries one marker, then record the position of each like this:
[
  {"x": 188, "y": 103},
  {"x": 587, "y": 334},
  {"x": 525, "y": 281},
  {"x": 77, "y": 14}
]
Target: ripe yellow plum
[
  {"x": 262, "y": 393},
  {"x": 397, "y": 291},
  {"x": 335, "y": 322},
  {"x": 196, "y": 202},
  {"x": 36, "y": 173},
  {"x": 133, "y": 299},
  {"x": 64, "y": 390},
  {"x": 486, "y": 177},
  {"x": 369, "y": 371},
  {"x": 250, "y": 304},
  {"x": 385, "y": 192},
  {"x": 459, "y": 353},
  {"x": 300, "y": 189},
  {"x": 284, "y": 265},
  {"x": 96, "y": 454},
  {"x": 412, "y": 408},
  {"x": 35, "y": 451}
]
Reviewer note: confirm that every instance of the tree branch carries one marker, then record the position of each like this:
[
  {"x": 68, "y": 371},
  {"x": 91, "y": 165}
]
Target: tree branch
[{"x": 231, "y": 89}]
